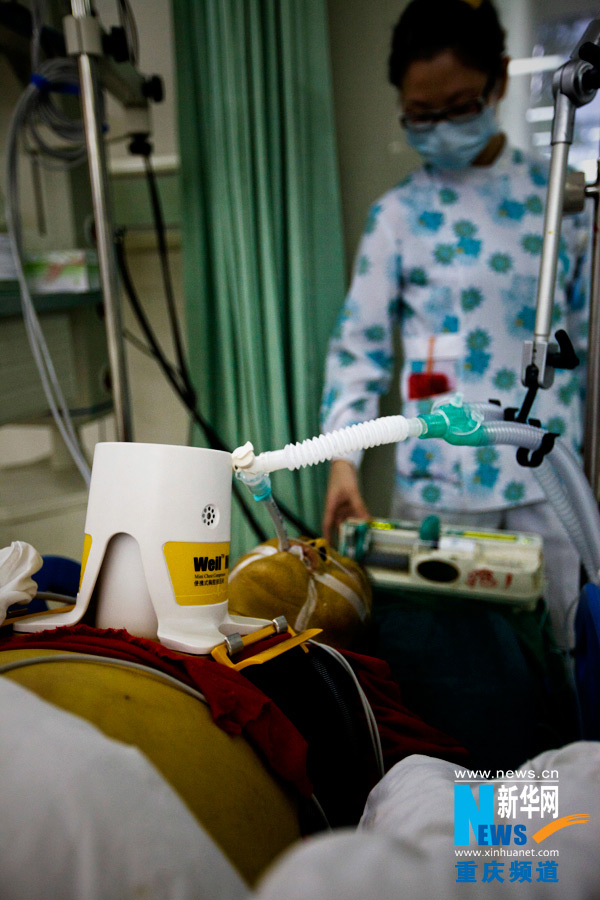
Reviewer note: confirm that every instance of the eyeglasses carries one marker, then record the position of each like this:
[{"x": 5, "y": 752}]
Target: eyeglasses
[{"x": 459, "y": 114}]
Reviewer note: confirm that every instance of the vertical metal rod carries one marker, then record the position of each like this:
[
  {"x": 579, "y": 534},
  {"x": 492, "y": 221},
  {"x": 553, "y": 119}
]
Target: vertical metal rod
[
  {"x": 561, "y": 141},
  {"x": 591, "y": 448},
  {"x": 104, "y": 233}
]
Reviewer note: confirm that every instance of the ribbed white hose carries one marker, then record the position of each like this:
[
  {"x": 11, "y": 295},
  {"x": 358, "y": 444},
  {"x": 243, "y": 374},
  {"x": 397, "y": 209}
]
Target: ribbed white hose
[
  {"x": 385, "y": 430},
  {"x": 574, "y": 484}
]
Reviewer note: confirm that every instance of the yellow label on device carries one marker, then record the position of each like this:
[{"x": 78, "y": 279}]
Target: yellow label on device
[
  {"x": 87, "y": 546},
  {"x": 199, "y": 572}
]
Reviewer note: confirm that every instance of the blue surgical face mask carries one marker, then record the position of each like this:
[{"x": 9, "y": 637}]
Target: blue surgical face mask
[{"x": 454, "y": 145}]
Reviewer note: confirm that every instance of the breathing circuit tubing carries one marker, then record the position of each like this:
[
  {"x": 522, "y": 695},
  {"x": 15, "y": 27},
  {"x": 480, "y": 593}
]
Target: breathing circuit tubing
[
  {"x": 559, "y": 474},
  {"x": 362, "y": 436},
  {"x": 565, "y": 485},
  {"x": 559, "y": 488}
]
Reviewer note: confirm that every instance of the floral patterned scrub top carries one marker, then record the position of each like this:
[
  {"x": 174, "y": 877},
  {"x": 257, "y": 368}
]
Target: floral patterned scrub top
[{"x": 452, "y": 258}]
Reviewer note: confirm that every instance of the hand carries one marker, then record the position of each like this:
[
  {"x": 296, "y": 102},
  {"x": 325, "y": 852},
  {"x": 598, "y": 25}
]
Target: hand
[{"x": 343, "y": 499}]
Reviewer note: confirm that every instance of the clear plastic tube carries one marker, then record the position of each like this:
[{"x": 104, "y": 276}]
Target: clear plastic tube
[
  {"x": 259, "y": 485},
  {"x": 490, "y": 411},
  {"x": 280, "y": 529},
  {"x": 515, "y": 433},
  {"x": 578, "y": 489},
  {"x": 385, "y": 430},
  {"x": 564, "y": 463}
]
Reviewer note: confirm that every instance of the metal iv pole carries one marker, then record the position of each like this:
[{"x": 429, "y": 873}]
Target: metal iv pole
[
  {"x": 84, "y": 40},
  {"x": 591, "y": 450},
  {"x": 574, "y": 85}
]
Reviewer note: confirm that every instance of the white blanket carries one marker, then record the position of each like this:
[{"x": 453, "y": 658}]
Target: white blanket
[
  {"x": 404, "y": 848},
  {"x": 84, "y": 817}
]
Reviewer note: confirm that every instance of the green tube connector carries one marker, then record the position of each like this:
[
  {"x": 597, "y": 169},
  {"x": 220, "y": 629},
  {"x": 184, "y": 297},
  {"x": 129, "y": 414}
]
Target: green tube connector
[{"x": 455, "y": 423}]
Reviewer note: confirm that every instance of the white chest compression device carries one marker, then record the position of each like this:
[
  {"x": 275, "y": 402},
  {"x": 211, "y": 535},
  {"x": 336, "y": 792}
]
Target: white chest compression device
[{"x": 156, "y": 549}]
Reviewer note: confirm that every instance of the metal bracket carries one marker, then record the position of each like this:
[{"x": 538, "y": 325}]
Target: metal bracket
[
  {"x": 83, "y": 34},
  {"x": 532, "y": 459},
  {"x": 235, "y": 644}
]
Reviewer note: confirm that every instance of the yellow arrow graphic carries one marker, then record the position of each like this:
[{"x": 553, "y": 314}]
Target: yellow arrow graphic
[{"x": 563, "y": 822}]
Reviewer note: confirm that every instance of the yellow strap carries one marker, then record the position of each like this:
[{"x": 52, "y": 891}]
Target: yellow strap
[
  {"x": 10, "y": 620},
  {"x": 221, "y": 656}
]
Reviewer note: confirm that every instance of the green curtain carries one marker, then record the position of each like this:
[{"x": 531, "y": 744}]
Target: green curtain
[{"x": 263, "y": 254}]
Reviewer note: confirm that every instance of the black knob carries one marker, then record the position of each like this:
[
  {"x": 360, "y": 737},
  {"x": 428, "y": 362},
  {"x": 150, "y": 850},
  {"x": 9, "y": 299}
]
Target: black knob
[
  {"x": 115, "y": 44},
  {"x": 140, "y": 145},
  {"x": 153, "y": 88},
  {"x": 590, "y": 52},
  {"x": 565, "y": 357}
]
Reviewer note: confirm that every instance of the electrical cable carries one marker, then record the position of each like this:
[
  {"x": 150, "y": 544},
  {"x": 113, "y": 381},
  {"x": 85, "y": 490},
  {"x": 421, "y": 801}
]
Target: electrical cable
[
  {"x": 129, "y": 26},
  {"x": 107, "y": 661},
  {"x": 160, "y": 230},
  {"x": 173, "y": 376},
  {"x": 369, "y": 714},
  {"x": 35, "y": 107},
  {"x": 138, "y": 344},
  {"x": 38, "y": 9},
  {"x": 144, "y": 148},
  {"x": 180, "y": 378},
  {"x": 283, "y": 541},
  {"x": 171, "y": 373}
]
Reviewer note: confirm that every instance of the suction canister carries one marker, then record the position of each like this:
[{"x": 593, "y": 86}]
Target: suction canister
[{"x": 156, "y": 548}]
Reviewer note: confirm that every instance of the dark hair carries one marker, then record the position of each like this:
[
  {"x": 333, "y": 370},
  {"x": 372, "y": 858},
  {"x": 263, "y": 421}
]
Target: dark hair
[{"x": 427, "y": 27}]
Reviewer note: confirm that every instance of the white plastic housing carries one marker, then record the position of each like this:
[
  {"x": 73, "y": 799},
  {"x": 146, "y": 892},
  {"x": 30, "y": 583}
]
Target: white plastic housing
[{"x": 156, "y": 551}]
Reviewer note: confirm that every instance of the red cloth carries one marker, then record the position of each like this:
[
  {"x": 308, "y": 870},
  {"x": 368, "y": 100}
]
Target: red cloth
[
  {"x": 401, "y": 731},
  {"x": 235, "y": 704}
]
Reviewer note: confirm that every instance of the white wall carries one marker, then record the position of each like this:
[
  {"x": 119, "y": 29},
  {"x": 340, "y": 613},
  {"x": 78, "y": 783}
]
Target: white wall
[
  {"x": 373, "y": 154},
  {"x": 155, "y": 29},
  {"x": 517, "y": 19}
]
